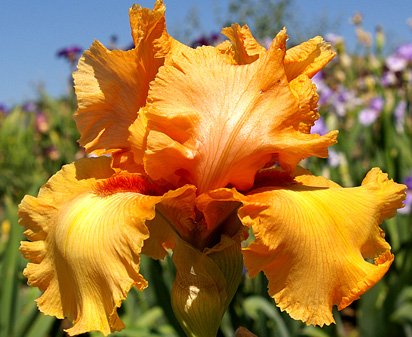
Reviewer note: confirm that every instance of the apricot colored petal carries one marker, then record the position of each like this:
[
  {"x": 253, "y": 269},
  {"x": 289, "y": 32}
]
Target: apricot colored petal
[
  {"x": 86, "y": 234},
  {"x": 244, "y": 48},
  {"x": 314, "y": 241},
  {"x": 228, "y": 120},
  {"x": 111, "y": 86},
  {"x": 107, "y": 88},
  {"x": 308, "y": 58},
  {"x": 123, "y": 160},
  {"x": 149, "y": 25}
]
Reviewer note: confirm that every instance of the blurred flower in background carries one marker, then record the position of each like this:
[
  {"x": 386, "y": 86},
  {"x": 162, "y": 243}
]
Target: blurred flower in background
[
  {"x": 3, "y": 109},
  {"x": 408, "y": 201},
  {"x": 211, "y": 39},
  {"x": 71, "y": 54},
  {"x": 370, "y": 114}
]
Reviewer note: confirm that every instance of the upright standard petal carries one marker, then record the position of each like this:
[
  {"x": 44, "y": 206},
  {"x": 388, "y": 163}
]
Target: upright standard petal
[
  {"x": 243, "y": 47},
  {"x": 228, "y": 120},
  {"x": 111, "y": 86},
  {"x": 308, "y": 58},
  {"x": 320, "y": 244},
  {"x": 86, "y": 230}
]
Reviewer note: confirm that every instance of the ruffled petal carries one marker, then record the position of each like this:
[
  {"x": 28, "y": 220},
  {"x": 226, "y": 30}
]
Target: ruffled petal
[
  {"x": 320, "y": 244},
  {"x": 109, "y": 93},
  {"x": 305, "y": 92},
  {"x": 228, "y": 120},
  {"x": 244, "y": 48},
  {"x": 86, "y": 230},
  {"x": 111, "y": 86},
  {"x": 308, "y": 58}
]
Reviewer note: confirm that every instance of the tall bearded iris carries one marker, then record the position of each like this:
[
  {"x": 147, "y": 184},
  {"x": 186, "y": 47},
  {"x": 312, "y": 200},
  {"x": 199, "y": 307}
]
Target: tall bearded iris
[{"x": 197, "y": 148}]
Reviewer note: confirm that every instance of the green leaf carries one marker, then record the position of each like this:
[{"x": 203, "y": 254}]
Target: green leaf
[
  {"x": 9, "y": 272},
  {"x": 255, "y": 305}
]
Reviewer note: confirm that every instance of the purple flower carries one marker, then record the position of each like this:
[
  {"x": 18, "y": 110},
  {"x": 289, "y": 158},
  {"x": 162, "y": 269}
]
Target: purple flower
[
  {"x": 399, "y": 114},
  {"x": 370, "y": 114},
  {"x": 405, "y": 52},
  {"x": 377, "y": 103},
  {"x": 324, "y": 91},
  {"x": 334, "y": 158},
  {"x": 68, "y": 51},
  {"x": 206, "y": 40},
  {"x": 334, "y": 39},
  {"x": 388, "y": 79},
  {"x": 396, "y": 63},
  {"x": 343, "y": 100},
  {"x": 30, "y": 106},
  {"x": 408, "y": 201},
  {"x": 4, "y": 110},
  {"x": 319, "y": 127},
  {"x": 408, "y": 182},
  {"x": 71, "y": 54}
]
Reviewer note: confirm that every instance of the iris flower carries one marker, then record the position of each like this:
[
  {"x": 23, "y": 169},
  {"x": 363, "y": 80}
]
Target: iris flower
[{"x": 194, "y": 152}]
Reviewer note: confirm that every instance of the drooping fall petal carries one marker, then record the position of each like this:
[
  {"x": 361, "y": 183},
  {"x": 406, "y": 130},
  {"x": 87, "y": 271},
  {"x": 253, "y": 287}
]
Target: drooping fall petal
[
  {"x": 111, "y": 86},
  {"x": 228, "y": 120},
  {"x": 86, "y": 230},
  {"x": 320, "y": 244}
]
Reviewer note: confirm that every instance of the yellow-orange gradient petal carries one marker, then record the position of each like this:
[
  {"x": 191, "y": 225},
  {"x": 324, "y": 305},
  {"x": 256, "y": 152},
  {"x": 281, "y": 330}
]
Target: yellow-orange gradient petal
[
  {"x": 320, "y": 244},
  {"x": 111, "y": 86},
  {"x": 228, "y": 120},
  {"x": 86, "y": 230},
  {"x": 308, "y": 58}
]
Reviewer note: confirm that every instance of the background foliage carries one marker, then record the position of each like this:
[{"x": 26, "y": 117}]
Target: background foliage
[{"x": 367, "y": 95}]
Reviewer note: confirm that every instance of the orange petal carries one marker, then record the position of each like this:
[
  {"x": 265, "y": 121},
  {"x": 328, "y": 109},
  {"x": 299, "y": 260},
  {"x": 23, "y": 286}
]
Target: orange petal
[
  {"x": 174, "y": 214},
  {"x": 107, "y": 84},
  {"x": 306, "y": 94},
  {"x": 111, "y": 86},
  {"x": 315, "y": 241},
  {"x": 308, "y": 58},
  {"x": 86, "y": 229},
  {"x": 244, "y": 48},
  {"x": 228, "y": 120}
]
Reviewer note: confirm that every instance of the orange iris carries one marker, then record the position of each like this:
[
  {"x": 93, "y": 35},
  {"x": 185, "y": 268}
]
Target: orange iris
[{"x": 198, "y": 148}]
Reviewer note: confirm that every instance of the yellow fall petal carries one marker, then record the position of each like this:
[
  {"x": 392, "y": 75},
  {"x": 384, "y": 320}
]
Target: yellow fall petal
[
  {"x": 308, "y": 58},
  {"x": 228, "y": 120},
  {"x": 86, "y": 230},
  {"x": 314, "y": 240}
]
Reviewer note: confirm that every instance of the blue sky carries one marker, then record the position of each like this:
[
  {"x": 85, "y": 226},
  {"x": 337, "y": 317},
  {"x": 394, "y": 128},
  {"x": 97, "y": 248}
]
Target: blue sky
[{"x": 32, "y": 31}]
